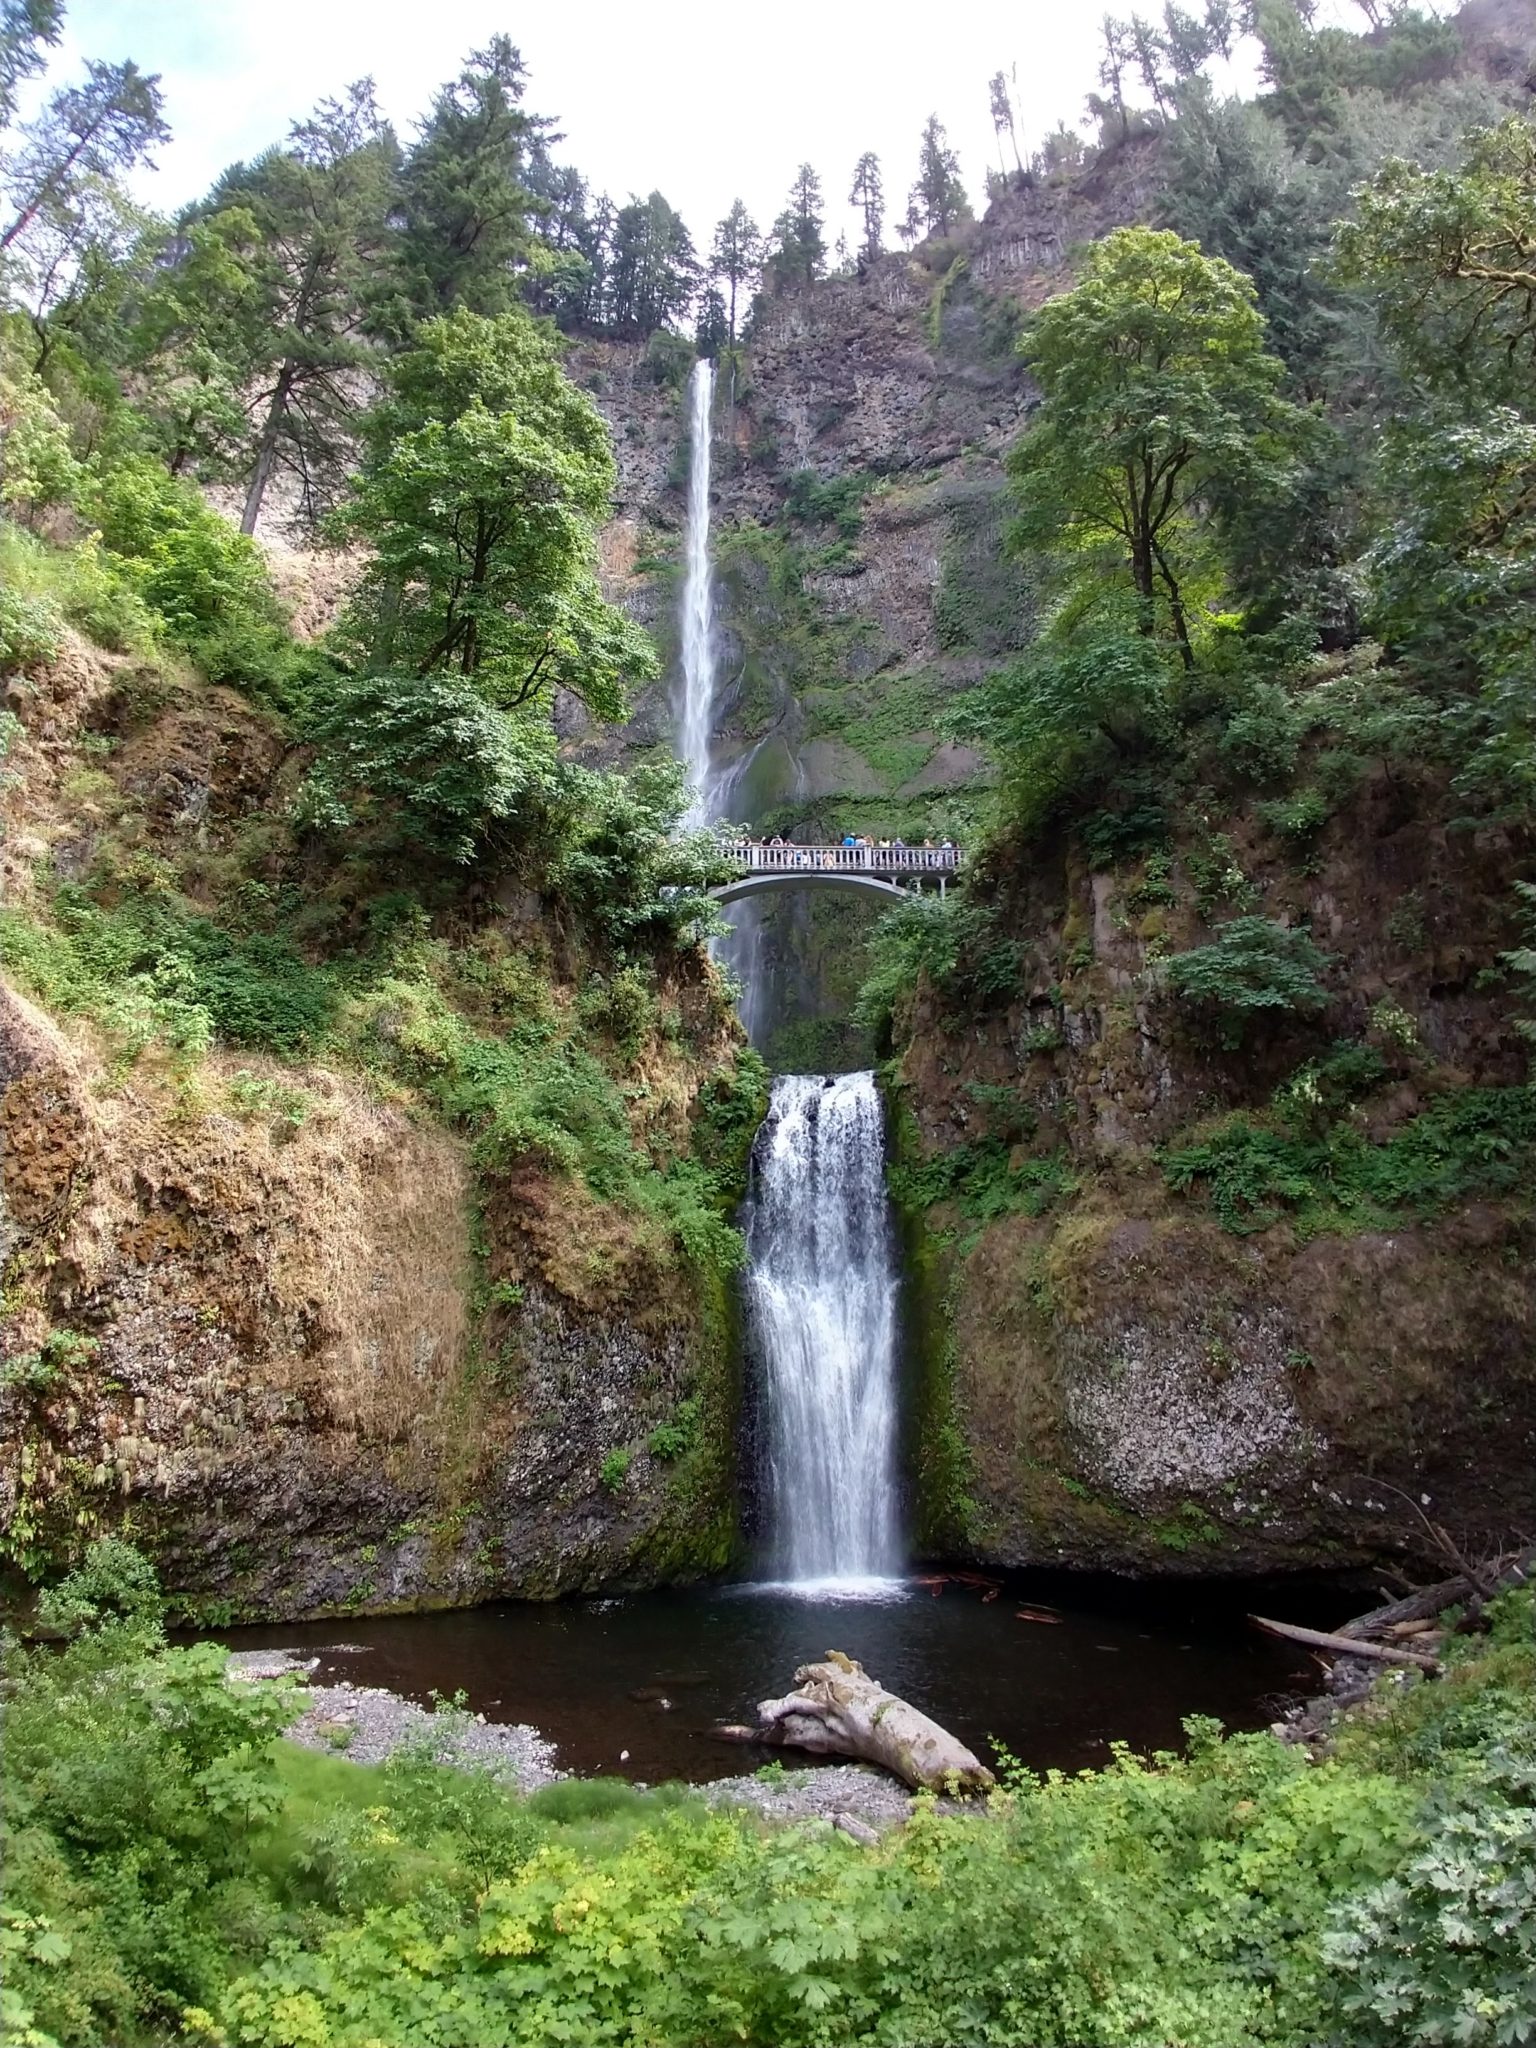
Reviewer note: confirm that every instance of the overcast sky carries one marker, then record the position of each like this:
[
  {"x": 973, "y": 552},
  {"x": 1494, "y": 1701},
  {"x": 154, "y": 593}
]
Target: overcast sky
[{"x": 703, "y": 102}]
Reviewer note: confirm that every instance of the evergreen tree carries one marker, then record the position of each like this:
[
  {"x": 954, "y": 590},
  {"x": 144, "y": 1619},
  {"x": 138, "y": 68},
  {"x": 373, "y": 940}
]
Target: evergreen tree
[
  {"x": 321, "y": 209},
  {"x": 1003, "y": 121},
  {"x": 1238, "y": 190},
  {"x": 1112, "y": 67},
  {"x": 868, "y": 195},
  {"x": 735, "y": 258},
  {"x": 937, "y": 203},
  {"x": 712, "y": 331},
  {"x": 84, "y": 140},
  {"x": 655, "y": 272},
  {"x": 464, "y": 202},
  {"x": 799, "y": 247},
  {"x": 28, "y": 29}
]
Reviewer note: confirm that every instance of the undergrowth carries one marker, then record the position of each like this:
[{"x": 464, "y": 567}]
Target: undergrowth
[
  {"x": 1257, "y": 1168},
  {"x": 176, "y": 1873}
]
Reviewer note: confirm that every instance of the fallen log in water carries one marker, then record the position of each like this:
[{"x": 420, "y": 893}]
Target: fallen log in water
[
  {"x": 836, "y": 1709},
  {"x": 1347, "y": 1646}
]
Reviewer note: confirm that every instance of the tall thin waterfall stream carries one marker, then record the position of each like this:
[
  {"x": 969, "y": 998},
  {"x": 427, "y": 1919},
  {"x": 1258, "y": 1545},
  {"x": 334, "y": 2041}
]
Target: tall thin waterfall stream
[
  {"x": 696, "y": 706},
  {"x": 821, "y": 1289},
  {"x": 821, "y": 1277}
]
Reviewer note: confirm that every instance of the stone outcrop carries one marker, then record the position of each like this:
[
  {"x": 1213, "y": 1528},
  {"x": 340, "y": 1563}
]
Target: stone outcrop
[
  {"x": 1121, "y": 1380},
  {"x": 250, "y": 1345}
]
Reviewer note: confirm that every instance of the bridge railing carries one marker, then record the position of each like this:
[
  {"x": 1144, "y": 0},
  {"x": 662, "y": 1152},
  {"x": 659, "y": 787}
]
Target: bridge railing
[{"x": 755, "y": 857}]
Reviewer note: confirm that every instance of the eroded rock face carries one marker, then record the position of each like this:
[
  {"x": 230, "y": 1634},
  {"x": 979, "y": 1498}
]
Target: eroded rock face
[
  {"x": 1128, "y": 1383},
  {"x": 278, "y": 1392}
]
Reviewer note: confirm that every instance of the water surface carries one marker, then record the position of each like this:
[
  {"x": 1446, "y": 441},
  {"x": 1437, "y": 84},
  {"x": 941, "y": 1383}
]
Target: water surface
[{"x": 650, "y": 1673}]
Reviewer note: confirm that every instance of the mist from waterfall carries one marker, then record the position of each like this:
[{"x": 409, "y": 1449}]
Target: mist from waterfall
[
  {"x": 696, "y": 711},
  {"x": 822, "y": 1299}
]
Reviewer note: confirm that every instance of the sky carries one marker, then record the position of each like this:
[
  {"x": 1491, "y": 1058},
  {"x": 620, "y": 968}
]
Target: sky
[{"x": 703, "y": 102}]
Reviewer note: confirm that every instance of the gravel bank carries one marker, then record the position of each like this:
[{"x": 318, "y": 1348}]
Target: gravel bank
[{"x": 367, "y": 1723}]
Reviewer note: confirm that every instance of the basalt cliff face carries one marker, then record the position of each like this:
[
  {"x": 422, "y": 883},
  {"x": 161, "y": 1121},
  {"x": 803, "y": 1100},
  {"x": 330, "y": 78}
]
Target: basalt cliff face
[
  {"x": 273, "y": 1320},
  {"x": 1184, "y": 1376}
]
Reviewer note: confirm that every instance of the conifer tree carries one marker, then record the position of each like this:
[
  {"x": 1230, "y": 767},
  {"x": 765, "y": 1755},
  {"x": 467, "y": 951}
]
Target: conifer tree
[
  {"x": 868, "y": 195},
  {"x": 655, "y": 272},
  {"x": 28, "y": 28},
  {"x": 1003, "y": 120},
  {"x": 735, "y": 258},
  {"x": 464, "y": 199},
  {"x": 320, "y": 206},
  {"x": 937, "y": 203},
  {"x": 799, "y": 245},
  {"x": 86, "y": 136}
]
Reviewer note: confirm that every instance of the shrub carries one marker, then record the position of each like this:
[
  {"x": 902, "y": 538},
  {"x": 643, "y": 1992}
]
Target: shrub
[
  {"x": 1253, "y": 965},
  {"x": 427, "y": 756},
  {"x": 1477, "y": 1141},
  {"x": 206, "y": 582},
  {"x": 37, "y": 468},
  {"x": 1445, "y": 1950},
  {"x": 615, "y": 1469},
  {"x": 669, "y": 358},
  {"x": 676, "y": 1438},
  {"x": 30, "y": 630}
]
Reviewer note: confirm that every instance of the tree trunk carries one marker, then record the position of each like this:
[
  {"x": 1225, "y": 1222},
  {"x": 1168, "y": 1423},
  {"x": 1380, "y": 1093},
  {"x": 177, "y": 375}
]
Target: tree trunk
[
  {"x": 266, "y": 453},
  {"x": 836, "y": 1710},
  {"x": 1346, "y": 1646}
]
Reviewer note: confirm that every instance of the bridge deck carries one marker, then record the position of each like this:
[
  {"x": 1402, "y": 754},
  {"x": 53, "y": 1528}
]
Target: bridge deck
[{"x": 885, "y": 863}]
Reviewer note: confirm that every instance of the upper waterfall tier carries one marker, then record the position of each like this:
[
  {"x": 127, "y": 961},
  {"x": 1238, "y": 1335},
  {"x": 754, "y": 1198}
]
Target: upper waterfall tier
[{"x": 696, "y": 711}]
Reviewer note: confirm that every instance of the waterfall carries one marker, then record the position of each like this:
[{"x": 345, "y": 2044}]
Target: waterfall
[
  {"x": 697, "y": 711},
  {"x": 821, "y": 1293}
]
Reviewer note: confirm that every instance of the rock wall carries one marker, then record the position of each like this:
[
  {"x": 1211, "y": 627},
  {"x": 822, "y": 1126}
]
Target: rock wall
[
  {"x": 282, "y": 1392},
  {"x": 1121, "y": 1380},
  {"x": 270, "y": 1318}
]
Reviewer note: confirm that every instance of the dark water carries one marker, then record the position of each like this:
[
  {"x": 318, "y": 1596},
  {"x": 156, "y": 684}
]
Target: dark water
[{"x": 1123, "y": 1663}]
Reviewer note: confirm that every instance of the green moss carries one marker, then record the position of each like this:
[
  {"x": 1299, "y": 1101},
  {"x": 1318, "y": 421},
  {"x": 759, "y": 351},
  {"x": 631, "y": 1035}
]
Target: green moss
[{"x": 949, "y": 1518}]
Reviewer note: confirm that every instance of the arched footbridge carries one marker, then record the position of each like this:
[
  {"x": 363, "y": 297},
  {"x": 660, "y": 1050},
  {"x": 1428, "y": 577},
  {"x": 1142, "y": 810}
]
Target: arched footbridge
[{"x": 896, "y": 871}]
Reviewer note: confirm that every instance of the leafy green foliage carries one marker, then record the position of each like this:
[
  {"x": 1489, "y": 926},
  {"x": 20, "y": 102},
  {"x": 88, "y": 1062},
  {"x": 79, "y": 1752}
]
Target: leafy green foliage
[
  {"x": 1445, "y": 1950},
  {"x": 983, "y": 1180},
  {"x": 150, "y": 969},
  {"x": 614, "y": 1470},
  {"x": 1159, "y": 397},
  {"x": 1253, "y": 965},
  {"x": 173, "y": 1871},
  {"x": 205, "y": 583},
  {"x": 955, "y": 946},
  {"x": 485, "y": 473},
  {"x": 674, "y": 1439},
  {"x": 426, "y": 756},
  {"x": 1327, "y": 1174}
]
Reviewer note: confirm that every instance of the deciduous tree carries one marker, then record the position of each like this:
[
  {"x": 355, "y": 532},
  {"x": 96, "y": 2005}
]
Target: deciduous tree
[
  {"x": 485, "y": 475},
  {"x": 1160, "y": 396}
]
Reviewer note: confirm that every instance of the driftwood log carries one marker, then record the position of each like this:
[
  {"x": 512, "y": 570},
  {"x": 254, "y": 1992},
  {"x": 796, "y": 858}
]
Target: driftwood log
[
  {"x": 836, "y": 1709},
  {"x": 1347, "y": 1646}
]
